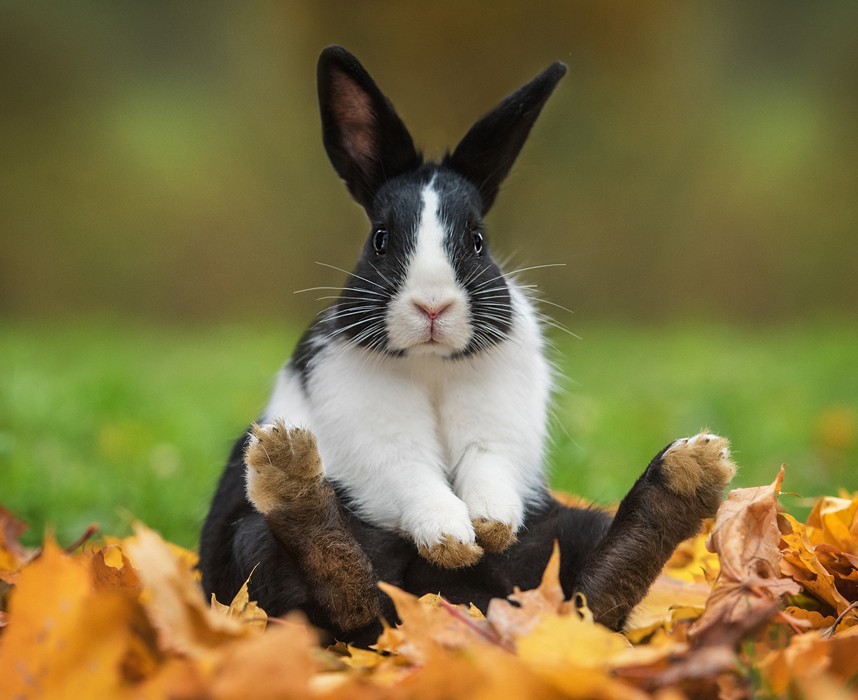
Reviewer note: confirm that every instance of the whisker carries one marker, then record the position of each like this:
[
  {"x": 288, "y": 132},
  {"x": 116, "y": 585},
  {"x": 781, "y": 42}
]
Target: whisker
[
  {"x": 338, "y": 289},
  {"x": 534, "y": 267},
  {"x": 381, "y": 275},
  {"x": 364, "y": 279}
]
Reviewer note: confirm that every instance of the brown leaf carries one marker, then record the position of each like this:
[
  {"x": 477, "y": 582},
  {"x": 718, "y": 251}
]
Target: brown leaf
[
  {"x": 748, "y": 591},
  {"x": 746, "y": 534},
  {"x": 12, "y": 554}
]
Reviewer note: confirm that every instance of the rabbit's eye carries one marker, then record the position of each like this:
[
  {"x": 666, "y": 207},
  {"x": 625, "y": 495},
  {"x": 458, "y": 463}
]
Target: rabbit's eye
[
  {"x": 379, "y": 240},
  {"x": 477, "y": 241}
]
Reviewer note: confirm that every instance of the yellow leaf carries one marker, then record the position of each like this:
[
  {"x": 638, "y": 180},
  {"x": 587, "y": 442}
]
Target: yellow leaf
[
  {"x": 811, "y": 619},
  {"x": 243, "y": 609},
  {"x": 834, "y": 521},
  {"x": 42, "y": 614},
  {"x": 575, "y": 657},
  {"x": 667, "y": 601},
  {"x": 801, "y": 563},
  {"x": 693, "y": 561}
]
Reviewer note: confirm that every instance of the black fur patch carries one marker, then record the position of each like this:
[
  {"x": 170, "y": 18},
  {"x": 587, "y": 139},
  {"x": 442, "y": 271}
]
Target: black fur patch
[
  {"x": 479, "y": 275},
  {"x": 359, "y": 314}
]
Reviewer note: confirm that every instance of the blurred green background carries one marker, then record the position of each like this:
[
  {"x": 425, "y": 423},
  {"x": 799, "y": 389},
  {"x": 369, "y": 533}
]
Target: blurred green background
[{"x": 164, "y": 192}]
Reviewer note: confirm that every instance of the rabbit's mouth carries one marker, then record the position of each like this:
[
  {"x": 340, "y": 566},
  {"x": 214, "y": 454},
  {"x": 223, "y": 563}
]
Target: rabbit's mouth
[{"x": 438, "y": 331}]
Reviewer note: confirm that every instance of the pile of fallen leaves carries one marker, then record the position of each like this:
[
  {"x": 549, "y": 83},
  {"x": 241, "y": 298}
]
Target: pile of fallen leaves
[{"x": 769, "y": 611}]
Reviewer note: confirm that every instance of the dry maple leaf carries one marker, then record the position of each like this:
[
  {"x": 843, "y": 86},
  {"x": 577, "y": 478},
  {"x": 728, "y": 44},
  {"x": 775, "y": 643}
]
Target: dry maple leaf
[
  {"x": 746, "y": 537},
  {"x": 811, "y": 661},
  {"x": 834, "y": 521},
  {"x": 243, "y": 609},
  {"x": 521, "y": 612},
  {"x": 749, "y": 588},
  {"x": 66, "y": 638},
  {"x": 801, "y": 563},
  {"x": 128, "y": 619},
  {"x": 427, "y": 623},
  {"x": 173, "y": 599}
]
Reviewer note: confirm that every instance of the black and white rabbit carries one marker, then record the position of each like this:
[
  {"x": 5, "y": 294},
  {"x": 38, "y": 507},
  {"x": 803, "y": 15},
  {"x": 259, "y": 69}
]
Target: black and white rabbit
[
  {"x": 426, "y": 387},
  {"x": 425, "y": 383}
]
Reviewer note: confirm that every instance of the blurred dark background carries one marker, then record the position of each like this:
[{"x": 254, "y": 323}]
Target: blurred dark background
[{"x": 162, "y": 160}]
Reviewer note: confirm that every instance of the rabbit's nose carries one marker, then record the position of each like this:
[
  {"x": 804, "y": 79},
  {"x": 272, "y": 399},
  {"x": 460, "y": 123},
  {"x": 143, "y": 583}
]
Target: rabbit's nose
[{"x": 433, "y": 310}]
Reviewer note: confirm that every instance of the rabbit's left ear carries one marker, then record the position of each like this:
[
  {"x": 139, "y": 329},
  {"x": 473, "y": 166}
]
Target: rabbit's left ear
[
  {"x": 364, "y": 137},
  {"x": 488, "y": 151}
]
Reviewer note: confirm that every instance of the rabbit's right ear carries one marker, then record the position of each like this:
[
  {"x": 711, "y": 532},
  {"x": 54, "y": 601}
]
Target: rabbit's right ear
[{"x": 365, "y": 139}]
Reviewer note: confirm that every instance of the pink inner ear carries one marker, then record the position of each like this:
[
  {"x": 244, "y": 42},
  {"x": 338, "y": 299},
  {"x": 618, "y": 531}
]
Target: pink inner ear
[{"x": 352, "y": 111}]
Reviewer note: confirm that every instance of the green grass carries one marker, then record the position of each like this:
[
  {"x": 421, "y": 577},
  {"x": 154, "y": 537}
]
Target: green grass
[{"x": 107, "y": 422}]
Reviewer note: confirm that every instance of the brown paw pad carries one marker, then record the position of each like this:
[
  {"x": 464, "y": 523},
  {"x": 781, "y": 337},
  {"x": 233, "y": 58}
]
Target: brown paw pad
[
  {"x": 281, "y": 463},
  {"x": 702, "y": 461},
  {"x": 450, "y": 553},
  {"x": 493, "y": 535}
]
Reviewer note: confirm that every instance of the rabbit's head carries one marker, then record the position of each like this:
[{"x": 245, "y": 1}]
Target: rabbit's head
[{"x": 425, "y": 282}]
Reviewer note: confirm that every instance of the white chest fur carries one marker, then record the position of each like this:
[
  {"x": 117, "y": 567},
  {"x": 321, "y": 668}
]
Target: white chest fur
[{"x": 426, "y": 444}]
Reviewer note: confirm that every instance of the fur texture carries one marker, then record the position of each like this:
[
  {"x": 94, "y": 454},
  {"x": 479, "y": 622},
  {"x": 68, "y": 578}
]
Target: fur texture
[
  {"x": 316, "y": 555},
  {"x": 425, "y": 383},
  {"x": 404, "y": 439}
]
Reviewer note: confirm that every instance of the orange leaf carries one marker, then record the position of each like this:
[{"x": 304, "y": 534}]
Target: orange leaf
[
  {"x": 111, "y": 569},
  {"x": 277, "y": 664},
  {"x": 425, "y": 625},
  {"x": 515, "y": 620},
  {"x": 65, "y": 639},
  {"x": 810, "y": 657},
  {"x": 801, "y": 563},
  {"x": 174, "y": 599}
]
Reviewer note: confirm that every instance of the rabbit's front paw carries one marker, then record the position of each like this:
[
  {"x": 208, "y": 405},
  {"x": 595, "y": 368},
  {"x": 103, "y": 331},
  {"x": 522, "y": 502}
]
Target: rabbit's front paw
[
  {"x": 497, "y": 512},
  {"x": 444, "y": 535},
  {"x": 283, "y": 464},
  {"x": 494, "y": 535},
  {"x": 451, "y": 553}
]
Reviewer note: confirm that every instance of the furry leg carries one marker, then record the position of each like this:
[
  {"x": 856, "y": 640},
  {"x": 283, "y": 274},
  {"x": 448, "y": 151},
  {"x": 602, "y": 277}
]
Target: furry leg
[
  {"x": 286, "y": 485},
  {"x": 681, "y": 486}
]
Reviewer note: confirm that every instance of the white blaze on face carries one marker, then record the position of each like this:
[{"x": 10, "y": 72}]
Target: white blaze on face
[{"x": 430, "y": 313}]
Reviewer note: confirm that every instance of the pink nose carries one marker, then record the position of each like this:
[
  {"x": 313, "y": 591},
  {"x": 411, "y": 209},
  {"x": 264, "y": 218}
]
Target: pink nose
[{"x": 433, "y": 311}]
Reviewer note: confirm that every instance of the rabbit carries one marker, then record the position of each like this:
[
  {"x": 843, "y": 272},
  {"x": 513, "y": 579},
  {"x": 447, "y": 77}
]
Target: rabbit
[
  {"x": 404, "y": 440},
  {"x": 425, "y": 384}
]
